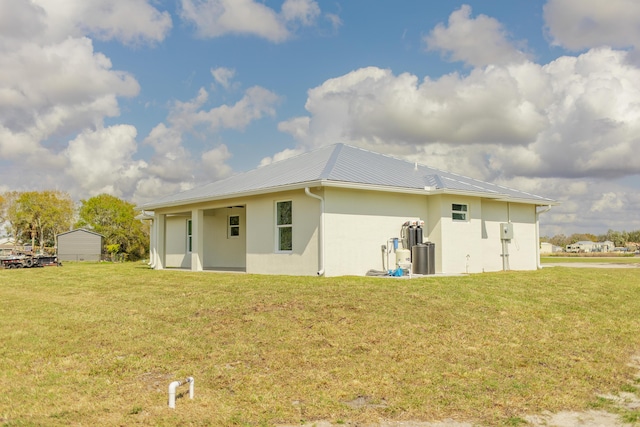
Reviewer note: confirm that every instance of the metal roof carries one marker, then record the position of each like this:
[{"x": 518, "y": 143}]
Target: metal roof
[{"x": 340, "y": 165}]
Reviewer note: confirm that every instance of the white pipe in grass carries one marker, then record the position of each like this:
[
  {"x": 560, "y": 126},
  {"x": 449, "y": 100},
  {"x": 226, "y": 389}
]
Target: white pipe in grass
[{"x": 172, "y": 390}]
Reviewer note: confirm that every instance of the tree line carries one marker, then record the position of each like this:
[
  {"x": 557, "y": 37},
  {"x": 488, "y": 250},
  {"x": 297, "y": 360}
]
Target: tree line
[
  {"x": 38, "y": 217},
  {"x": 620, "y": 239}
]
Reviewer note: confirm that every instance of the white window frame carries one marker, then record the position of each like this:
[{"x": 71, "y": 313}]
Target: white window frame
[
  {"x": 231, "y": 227},
  {"x": 189, "y": 235},
  {"x": 460, "y": 212},
  {"x": 279, "y": 227}
]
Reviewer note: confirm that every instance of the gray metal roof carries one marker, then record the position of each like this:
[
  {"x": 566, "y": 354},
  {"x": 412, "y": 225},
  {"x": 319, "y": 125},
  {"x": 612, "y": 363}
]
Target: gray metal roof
[{"x": 341, "y": 164}]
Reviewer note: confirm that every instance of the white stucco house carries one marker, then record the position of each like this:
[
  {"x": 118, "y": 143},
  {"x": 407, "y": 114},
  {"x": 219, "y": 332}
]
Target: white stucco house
[{"x": 330, "y": 212}]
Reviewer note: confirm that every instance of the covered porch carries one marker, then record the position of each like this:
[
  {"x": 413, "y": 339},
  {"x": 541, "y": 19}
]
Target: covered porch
[{"x": 210, "y": 239}]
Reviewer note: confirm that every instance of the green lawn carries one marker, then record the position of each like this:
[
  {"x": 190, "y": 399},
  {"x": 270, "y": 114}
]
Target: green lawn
[
  {"x": 98, "y": 344},
  {"x": 590, "y": 259}
]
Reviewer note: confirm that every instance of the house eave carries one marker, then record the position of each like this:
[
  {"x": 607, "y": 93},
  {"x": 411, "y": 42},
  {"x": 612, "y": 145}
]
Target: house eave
[{"x": 346, "y": 185}]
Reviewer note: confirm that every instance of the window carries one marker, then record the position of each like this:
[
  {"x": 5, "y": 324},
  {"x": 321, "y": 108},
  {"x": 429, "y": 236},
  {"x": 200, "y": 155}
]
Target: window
[
  {"x": 284, "y": 226},
  {"x": 189, "y": 239},
  {"x": 459, "y": 212},
  {"x": 233, "y": 224}
]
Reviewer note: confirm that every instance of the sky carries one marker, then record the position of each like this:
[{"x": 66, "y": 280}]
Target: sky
[{"x": 144, "y": 98}]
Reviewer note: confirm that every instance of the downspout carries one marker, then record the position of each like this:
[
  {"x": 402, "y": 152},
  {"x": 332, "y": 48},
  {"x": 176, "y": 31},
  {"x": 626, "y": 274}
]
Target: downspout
[
  {"x": 547, "y": 209},
  {"x": 320, "y": 231}
]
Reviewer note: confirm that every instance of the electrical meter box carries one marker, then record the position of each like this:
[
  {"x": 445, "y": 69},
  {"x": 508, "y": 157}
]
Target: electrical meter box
[{"x": 506, "y": 231}]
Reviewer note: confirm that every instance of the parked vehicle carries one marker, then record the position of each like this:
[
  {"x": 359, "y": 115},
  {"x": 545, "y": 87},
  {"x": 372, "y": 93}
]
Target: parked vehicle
[{"x": 28, "y": 261}]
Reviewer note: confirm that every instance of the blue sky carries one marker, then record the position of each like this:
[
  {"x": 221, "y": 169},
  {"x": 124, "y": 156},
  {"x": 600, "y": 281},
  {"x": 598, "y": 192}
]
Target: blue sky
[{"x": 142, "y": 98}]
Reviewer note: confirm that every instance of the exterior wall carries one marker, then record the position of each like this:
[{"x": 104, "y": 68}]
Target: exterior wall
[
  {"x": 475, "y": 245},
  {"x": 523, "y": 248},
  {"x": 493, "y": 214},
  {"x": 460, "y": 241},
  {"x": 220, "y": 249},
  {"x": 262, "y": 256},
  {"x": 176, "y": 242},
  {"x": 79, "y": 245},
  {"x": 433, "y": 227},
  {"x": 358, "y": 223}
]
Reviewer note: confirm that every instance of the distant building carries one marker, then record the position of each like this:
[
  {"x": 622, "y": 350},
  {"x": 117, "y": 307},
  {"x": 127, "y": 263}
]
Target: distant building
[
  {"x": 549, "y": 248},
  {"x": 80, "y": 245},
  {"x": 586, "y": 246},
  {"x": 7, "y": 245}
]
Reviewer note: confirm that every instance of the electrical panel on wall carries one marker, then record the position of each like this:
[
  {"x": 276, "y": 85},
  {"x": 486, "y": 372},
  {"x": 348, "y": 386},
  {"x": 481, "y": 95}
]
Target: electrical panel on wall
[{"x": 506, "y": 231}]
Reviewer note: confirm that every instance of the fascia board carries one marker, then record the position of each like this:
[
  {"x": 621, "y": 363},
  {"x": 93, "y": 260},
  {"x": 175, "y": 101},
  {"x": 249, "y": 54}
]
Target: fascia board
[
  {"x": 348, "y": 185},
  {"x": 204, "y": 199},
  {"x": 536, "y": 202}
]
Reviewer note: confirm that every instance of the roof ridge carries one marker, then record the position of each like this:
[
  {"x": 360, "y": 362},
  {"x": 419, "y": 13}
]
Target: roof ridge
[{"x": 331, "y": 163}]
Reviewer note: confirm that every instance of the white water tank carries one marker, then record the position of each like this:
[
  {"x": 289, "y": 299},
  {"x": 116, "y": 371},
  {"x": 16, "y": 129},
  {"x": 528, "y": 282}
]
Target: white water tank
[{"x": 403, "y": 257}]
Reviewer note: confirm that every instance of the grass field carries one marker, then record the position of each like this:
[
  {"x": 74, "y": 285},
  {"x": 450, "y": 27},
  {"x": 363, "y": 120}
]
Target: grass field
[
  {"x": 590, "y": 259},
  {"x": 98, "y": 344}
]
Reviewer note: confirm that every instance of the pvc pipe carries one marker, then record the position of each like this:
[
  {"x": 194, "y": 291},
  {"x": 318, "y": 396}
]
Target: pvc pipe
[
  {"x": 191, "y": 382},
  {"x": 320, "y": 232},
  {"x": 172, "y": 390},
  {"x": 172, "y": 393}
]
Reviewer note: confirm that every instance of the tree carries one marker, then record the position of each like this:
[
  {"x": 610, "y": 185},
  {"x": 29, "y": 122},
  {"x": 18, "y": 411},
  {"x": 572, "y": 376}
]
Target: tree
[
  {"x": 115, "y": 220},
  {"x": 580, "y": 237},
  {"x": 618, "y": 238},
  {"x": 37, "y": 215},
  {"x": 11, "y": 214}
]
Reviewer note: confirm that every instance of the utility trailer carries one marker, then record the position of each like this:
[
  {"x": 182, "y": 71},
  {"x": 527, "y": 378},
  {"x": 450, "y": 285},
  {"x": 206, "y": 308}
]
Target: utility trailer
[{"x": 28, "y": 261}]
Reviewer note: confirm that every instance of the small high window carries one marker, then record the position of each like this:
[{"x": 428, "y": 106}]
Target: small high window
[
  {"x": 459, "y": 212},
  {"x": 284, "y": 226},
  {"x": 233, "y": 226}
]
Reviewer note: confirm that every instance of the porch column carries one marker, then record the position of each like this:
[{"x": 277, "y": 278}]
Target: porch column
[
  {"x": 160, "y": 241},
  {"x": 153, "y": 227},
  {"x": 197, "y": 239}
]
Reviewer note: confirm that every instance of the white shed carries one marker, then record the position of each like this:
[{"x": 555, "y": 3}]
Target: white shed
[
  {"x": 80, "y": 245},
  {"x": 331, "y": 211}
]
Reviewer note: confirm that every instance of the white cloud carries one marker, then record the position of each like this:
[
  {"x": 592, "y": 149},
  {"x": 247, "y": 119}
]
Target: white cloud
[
  {"x": 131, "y": 21},
  {"x": 223, "y": 76},
  {"x": 282, "y": 155},
  {"x": 298, "y": 127},
  {"x": 608, "y": 202},
  {"x": 304, "y": 11},
  {"x": 176, "y": 167},
  {"x": 113, "y": 171},
  {"x": 477, "y": 42},
  {"x": 213, "y": 163},
  {"x": 516, "y": 115},
  {"x": 215, "y": 18},
  {"x": 488, "y": 106},
  {"x": 59, "y": 87},
  {"x": 573, "y": 120},
  {"x": 21, "y": 20},
  {"x": 582, "y": 24},
  {"x": 171, "y": 161},
  {"x": 56, "y": 91}
]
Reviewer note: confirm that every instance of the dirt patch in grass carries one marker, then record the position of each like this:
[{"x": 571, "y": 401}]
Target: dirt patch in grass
[{"x": 624, "y": 411}]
